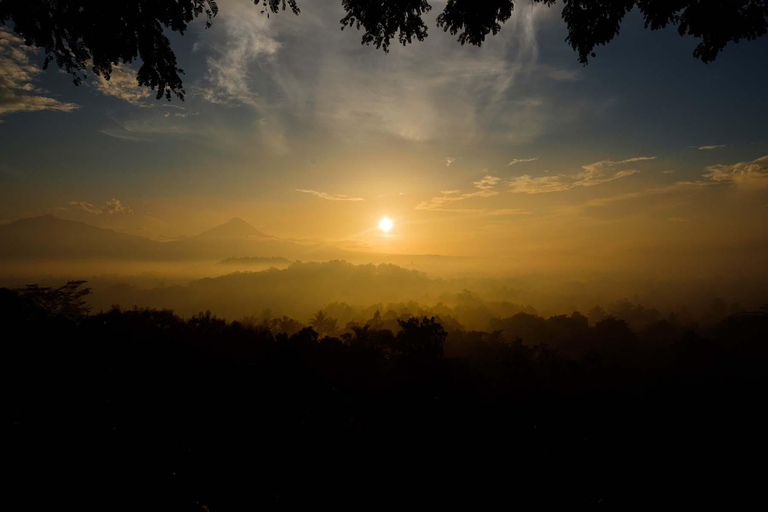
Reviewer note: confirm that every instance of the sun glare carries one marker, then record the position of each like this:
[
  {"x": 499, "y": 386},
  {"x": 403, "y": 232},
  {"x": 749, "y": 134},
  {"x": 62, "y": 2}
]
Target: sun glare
[{"x": 385, "y": 224}]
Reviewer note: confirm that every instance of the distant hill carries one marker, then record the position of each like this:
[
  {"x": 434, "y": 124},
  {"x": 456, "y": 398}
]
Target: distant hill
[
  {"x": 236, "y": 228},
  {"x": 256, "y": 261},
  {"x": 53, "y": 238},
  {"x": 50, "y": 237},
  {"x": 298, "y": 290}
]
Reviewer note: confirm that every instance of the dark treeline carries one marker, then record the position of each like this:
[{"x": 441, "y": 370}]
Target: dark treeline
[{"x": 142, "y": 409}]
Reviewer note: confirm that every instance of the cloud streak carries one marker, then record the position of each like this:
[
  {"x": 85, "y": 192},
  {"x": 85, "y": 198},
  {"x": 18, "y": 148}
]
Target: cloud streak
[
  {"x": 485, "y": 187},
  {"x": 747, "y": 175},
  {"x": 423, "y": 93},
  {"x": 248, "y": 38},
  {"x": 516, "y": 161},
  {"x": 591, "y": 175},
  {"x": 122, "y": 85},
  {"x": 112, "y": 207},
  {"x": 329, "y": 197},
  {"x": 17, "y": 74}
]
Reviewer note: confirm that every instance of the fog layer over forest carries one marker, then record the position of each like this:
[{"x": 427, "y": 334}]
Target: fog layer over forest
[{"x": 236, "y": 272}]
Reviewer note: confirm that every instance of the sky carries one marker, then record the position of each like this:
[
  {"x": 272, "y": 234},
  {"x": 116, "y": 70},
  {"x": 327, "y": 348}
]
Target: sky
[{"x": 512, "y": 151}]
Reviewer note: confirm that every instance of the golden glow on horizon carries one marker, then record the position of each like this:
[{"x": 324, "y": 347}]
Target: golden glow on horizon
[{"x": 385, "y": 224}]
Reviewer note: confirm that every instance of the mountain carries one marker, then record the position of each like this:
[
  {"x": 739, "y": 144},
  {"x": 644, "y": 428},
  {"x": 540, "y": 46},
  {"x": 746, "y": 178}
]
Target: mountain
[
  {"x": 235, "y": 228},
  {"x": 50, "y": 237}
]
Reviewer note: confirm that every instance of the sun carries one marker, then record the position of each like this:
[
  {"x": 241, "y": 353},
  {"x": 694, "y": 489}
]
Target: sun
[{"x": 385, "y": 224}]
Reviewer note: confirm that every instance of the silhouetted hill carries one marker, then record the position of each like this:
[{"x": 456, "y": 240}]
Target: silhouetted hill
[
  {"x": 256, "y": 261},
  {"x": 235, "y": 228},
  {"x": 299, "y": 289},
  {"x": 50, "y": 237}
]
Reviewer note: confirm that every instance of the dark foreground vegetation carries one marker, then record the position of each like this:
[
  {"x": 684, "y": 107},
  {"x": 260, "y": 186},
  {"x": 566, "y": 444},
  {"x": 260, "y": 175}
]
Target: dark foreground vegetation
[{"x": 140, "y": 409}]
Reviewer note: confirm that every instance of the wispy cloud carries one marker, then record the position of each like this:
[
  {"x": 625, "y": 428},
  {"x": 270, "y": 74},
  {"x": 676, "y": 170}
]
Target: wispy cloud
[
  {"x": 485, "y": 187},
  {"x": 748, "y": 175},
  {"x": 425, "y": 93},
  {"x": 488, "y": 182},
  {"x": 112, "y": 207},
  {"x": 147, "y": 123},
  {"x": 745, "y": 175},
  {"x": 673, "y": 188},
  {"x": 527, "y": 184},
  {"x": 516, "y": 161},
  {"x": 491, "y": 212},
  {"x": 330, "y": 197},
  {"x": 718, "y": 146},
  {"x": 591, "y": 175},
  {"x": 120, "y": 136},
  {"x": 248, "y": 37},
  {"x": 17, "y": 75},
  {"x": 449, "y": 161},
  {"x": 122, "y": 85}
]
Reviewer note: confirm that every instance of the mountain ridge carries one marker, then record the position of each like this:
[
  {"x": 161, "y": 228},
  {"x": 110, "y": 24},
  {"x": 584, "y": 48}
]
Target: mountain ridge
[{"x": 49, "y": 237}]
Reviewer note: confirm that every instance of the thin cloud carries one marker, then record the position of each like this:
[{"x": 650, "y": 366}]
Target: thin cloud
[
  {"x": 491, "y": 212},
  {"x": 17, "y": 74},
  {"x": 120, "y": 136},
  {"x": 718, "y": 146},
  {"x": 122, "y": 85},
  {"x": 248, "y": 37},
  {"x": 149, "y": 122},
  {"x": 432, "y": 92},
  {"x": 516, "y": 161},
  {"x": 487, "y": 183},
  {"x": 674, "y": 188},
  {"x": 485, "y": 188},
  {"x": 330, "y": 197},
  {"x": 749, "y": 175},
  {"x": 592, "y": 174},
  {"x": 527, "y": 184},
  {"x": 449, "y": 161},
  {"x": 112, "y": 207}
]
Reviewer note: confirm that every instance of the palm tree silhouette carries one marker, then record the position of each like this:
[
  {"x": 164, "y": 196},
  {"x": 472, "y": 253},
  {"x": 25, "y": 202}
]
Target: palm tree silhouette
[{"x": 323, "y": 324}]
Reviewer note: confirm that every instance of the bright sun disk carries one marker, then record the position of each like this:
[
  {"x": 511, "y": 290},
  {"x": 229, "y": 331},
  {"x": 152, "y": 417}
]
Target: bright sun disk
[{"x": 385, "y": 224}]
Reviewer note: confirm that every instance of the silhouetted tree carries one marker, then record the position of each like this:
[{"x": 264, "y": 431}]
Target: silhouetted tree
[
  {"x": 67, "y": 301},
  {"x": 716, "y": 311},
  {"x": 375, "y": 320},
  {"x": 158, "y": 412},
  {"x": 323, "y": 324},
  {"x": 421, "y": 338},
  {"x": 89, "y": 34},
  {"x": 596, "y": 314},
  {"x": 288, "y": 326}
]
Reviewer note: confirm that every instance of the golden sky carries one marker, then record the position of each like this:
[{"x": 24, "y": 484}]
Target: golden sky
[{"x": 512, "y": 151}]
